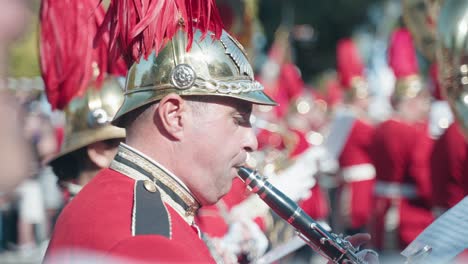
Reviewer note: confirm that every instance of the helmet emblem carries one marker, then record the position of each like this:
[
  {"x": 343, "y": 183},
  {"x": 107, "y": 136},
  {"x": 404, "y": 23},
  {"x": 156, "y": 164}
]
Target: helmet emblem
[
  {"x": 235, "y": 50},
  {"x": 183, "y": 76},
  {"x": 98, "y": 117}
]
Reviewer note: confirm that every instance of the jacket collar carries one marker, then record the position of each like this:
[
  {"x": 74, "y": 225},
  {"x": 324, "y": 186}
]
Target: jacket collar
[{"x": 138, "y": 166}]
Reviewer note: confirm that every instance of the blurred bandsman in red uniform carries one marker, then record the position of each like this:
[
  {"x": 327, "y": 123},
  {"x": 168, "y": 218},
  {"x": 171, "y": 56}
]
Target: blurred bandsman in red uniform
[
  {"x": 297, "y": 104},
  {"x": 90, "y": 141},
  {"x": 348, "y": 142},
  {"x": 448, "y": 153},
  {"x": 400, "y": 149},
  {"x": 306, "y": 147},
  {"x": 452, "y": 148},
  {"x": 451, "y": 55},
  {"x": 189, "y": 95},
  {"x": 87, "y": 91},
  {"x": 448, "y": 169},
  {"x": 447, "y": 162},
  {"x": 452, "y": 51}
]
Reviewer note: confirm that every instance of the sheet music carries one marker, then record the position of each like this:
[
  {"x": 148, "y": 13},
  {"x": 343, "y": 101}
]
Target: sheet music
[{"x": 447, "y": 236}]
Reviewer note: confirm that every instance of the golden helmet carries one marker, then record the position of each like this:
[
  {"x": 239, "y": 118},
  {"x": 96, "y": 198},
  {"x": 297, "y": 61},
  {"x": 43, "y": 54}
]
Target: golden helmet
[
  {"x": 87, "y": 117},
  {"x": 210, "y": 67},
  {"x": 404, "y": 63},
  {"x": 420, "y": 17},
  {"x": 452, "y": 53},
  {"x": 350, "y": 68}
]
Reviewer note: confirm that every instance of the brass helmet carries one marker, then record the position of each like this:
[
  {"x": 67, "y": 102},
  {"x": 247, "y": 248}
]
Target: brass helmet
[
  {"x": 452, "y": 53},
  {"x": 210, "y": 67},
  {"x": 78, "y": 80},
  {"x": 350, "y": 69},
  {"x": 87, "y": 117},
  {"x": 420, "y": 17},
  {"x": 403, "y": 61}
]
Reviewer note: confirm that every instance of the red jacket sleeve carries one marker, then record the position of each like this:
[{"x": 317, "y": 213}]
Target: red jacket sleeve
[{"x": 440, "y": 172}]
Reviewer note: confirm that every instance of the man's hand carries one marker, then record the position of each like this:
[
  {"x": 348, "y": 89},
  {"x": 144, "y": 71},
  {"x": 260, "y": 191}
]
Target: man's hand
[
  {"x": 358, "y": 239},
  {"x": 370, "y": 256}
]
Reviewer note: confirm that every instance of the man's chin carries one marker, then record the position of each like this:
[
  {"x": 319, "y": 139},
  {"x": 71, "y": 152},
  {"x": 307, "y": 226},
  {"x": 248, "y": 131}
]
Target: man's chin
[{"x": 227, "y": 188}]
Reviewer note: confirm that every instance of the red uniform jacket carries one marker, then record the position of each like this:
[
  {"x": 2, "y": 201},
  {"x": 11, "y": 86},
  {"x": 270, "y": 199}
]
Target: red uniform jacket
[
  {"x": 449, "y": 169},
  {"x": 358, "y": 174},
  {"x": 135, "y": 211},
  {"x": 401, "y": 157}
]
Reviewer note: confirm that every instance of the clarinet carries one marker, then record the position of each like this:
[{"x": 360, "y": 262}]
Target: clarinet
[{"x": 329, "y": 245}]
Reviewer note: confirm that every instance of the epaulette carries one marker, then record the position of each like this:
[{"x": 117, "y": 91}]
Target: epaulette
[{"x": 150, "y": 215}]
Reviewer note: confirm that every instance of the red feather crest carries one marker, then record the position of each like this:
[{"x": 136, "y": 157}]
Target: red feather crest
[
  {"x": 349, "y": 62},
  {"x": 402, "y": 55},
  {"x": 68, "y": 58},
  {"x": 139, "y": 27}
]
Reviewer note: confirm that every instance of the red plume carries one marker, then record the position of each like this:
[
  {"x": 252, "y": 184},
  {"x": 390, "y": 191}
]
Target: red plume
[
  {"x": 349, "y": 63},
  {"x": 67, "y": 57},
  {"x": 139, "y": 27},
  {"x": 291, "y": 80},
  {"x": 402, "y": 55}
]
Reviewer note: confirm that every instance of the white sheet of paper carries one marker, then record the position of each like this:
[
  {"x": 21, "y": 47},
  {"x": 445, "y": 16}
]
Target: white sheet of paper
[{"x": 447, "y": 236}]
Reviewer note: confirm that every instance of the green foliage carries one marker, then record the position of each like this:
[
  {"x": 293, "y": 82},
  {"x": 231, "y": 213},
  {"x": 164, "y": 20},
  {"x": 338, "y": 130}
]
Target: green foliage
[{"x": 24, "y": 55}]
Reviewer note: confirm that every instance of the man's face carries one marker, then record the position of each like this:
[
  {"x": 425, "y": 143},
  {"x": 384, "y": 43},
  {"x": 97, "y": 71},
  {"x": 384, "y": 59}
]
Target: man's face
[
  {"x": 218, "y": 137},
  {"x": 362, "y": 103}
]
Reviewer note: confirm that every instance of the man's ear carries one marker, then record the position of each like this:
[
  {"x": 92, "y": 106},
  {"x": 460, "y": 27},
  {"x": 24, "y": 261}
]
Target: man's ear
[{"x": 170, "y": 112}]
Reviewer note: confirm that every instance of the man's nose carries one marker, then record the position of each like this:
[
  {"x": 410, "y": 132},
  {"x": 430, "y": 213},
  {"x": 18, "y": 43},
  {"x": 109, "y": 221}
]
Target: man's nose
[{"x": 251, "y": 143}]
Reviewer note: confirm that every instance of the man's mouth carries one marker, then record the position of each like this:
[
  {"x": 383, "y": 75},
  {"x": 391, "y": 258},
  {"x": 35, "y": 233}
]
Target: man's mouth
[{"x": 242, "y": 160}]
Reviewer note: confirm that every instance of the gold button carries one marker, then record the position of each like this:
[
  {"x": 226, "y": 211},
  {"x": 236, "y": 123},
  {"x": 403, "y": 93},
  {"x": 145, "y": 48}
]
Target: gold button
[{"x": 149, "y": 186}]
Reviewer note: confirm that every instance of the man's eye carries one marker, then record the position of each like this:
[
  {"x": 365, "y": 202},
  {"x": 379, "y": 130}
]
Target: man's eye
[
  {"x": 238, "y": 120},
  {"x": 242, "y": 121}
]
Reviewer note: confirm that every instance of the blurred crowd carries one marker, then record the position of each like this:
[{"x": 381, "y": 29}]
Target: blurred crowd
[{"x": 355, "y": 158}]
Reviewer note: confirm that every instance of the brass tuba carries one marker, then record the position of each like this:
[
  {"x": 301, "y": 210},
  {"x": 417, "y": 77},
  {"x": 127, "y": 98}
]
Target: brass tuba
[
  {"x": 452, "y": 54},
  {"x": 420, "y": 17}
]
